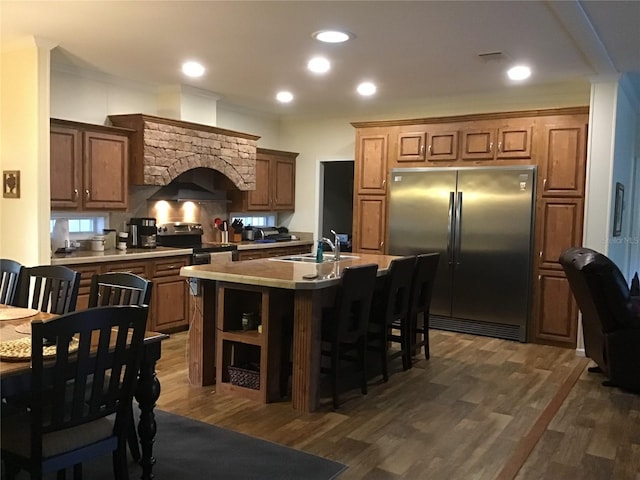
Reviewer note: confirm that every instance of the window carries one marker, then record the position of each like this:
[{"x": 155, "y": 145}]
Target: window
[
  {"x": 80, "y": 225},
  {"x": 256, "y": 221}
]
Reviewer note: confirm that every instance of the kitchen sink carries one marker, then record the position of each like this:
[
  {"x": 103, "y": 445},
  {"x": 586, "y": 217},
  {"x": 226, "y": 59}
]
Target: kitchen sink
[{"x": 311, "y": 258}]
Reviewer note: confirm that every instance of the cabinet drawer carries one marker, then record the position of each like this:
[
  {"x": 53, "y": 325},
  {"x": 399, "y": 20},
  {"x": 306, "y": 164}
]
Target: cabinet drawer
[
  {"x": 250, "y": 255},
  {"x": 137, "y": 268},
  {"x": 86, "y": 273},
  {"x": 169, "y": 267}
]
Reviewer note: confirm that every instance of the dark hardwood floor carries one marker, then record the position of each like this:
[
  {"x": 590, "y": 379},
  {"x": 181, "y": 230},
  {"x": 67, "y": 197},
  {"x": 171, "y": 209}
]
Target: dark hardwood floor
[{"x": 480, "y": 408}]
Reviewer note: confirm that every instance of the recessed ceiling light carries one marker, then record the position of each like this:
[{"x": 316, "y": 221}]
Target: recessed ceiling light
[
  {"x": 284, "y": 97},
  {"x": 366, "y": 89},
  {"x": 192, "y": 69},
  {"x": 319, "y": 65},
  {"x": 332, "y": 36},
  {"x": 519, "y": 72}
]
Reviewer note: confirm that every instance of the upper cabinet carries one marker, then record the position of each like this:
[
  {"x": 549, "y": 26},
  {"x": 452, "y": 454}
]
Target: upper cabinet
[
  {"x": 371, "y": 161},
  {"x": 89, "y": 166},
  {"x": 562, "y": 170},
  {"x": 420, "y": 144},
  {"x": 275, "y": 182},
  {"x": 497, "y": 143}
]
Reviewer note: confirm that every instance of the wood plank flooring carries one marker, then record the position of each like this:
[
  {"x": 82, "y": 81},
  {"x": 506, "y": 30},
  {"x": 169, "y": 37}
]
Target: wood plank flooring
[{"x": 480, "y": 408}]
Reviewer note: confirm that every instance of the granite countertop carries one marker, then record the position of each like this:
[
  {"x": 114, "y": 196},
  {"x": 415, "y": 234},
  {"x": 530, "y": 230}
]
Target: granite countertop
[
  {"x": 278, "y": 273},
  {"x": 85, "y": 256}
]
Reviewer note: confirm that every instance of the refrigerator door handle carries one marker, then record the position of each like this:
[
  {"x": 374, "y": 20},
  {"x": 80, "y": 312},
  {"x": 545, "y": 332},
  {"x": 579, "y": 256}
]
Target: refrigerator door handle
[
  {"x": 450, "y": 230},
  {"x": 458, "y": 228}
]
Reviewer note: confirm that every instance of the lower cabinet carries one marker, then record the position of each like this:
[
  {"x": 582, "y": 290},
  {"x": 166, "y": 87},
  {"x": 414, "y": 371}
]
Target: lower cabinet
[
  {"x": 254, "y": 254},
  {"x": 555, "y": 310},
  {"x": 169, "y": 309}
]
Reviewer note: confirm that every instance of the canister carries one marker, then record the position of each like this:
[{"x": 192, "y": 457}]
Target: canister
[{"x": 97, "y": 243}]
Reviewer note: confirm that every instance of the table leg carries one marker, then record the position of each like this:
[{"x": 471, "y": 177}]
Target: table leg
[
  {"x": 147, "y": 392},
  {"x": 306, "y": 350}
]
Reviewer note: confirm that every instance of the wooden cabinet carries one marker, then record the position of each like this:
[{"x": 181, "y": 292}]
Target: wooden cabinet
[
  {"x": 86, "y": 272},
  {"x": 256, "y": 352},
  {"x": 421, "y": 145},
  {"x": 275, "y": 182},
  {"x": 169, "y": 309},
  {"x": 89, "y": 166},
  {"x": 370, "y": 224},
  {"x": 555, "y": 318},
  {"x": 553, "y": 140},
  {"x": 504, "y": 142},
  {"x": 279, "y": 251},
  {"x": 169, "y": 298},
  {"x": 371, "y": 163},
  {"x": 562, "y": 170}
]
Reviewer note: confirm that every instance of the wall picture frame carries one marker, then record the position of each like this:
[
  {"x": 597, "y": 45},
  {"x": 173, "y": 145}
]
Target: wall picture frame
[
  {"x": 11, "y": 183},
  {"x": 618, "y": 209}
]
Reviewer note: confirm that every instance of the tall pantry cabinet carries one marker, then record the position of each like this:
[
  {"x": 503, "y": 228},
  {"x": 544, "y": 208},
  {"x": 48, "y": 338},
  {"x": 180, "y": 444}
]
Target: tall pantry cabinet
[{"x": 553, "y": 140}]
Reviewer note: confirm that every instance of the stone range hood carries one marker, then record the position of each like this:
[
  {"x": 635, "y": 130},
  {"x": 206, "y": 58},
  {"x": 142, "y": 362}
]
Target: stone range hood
[{"x": 162, "y": 149}]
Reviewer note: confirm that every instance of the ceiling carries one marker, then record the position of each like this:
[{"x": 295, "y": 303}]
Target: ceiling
[{"x": 411, "y": 49}]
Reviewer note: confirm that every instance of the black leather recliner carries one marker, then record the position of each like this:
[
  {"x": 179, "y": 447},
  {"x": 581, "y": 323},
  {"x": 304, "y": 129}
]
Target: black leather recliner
[{"x": 611, "y": 328}]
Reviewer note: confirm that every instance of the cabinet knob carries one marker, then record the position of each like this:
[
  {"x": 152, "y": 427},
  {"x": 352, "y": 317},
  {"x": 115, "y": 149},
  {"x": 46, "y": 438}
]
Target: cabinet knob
[
  {"x": 422, "y": 149},
  {"x": 491, "y": 146},
  {"x": 544, "y": 184},
  {"x": 499, "y": 146},
  {"x": 87, "y": 194},
  {"x": 429, "y": 149},
  {"x": 75, "y": 193},
  {"x": 384, "y": 182}
]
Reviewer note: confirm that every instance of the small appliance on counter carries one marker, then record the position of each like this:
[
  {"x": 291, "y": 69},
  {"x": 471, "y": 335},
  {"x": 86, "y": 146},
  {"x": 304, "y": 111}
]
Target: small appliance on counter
[{"x": 142, "y": 232}]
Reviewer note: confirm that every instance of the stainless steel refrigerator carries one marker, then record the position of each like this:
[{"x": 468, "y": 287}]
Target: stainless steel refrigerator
[{"x": 481, "y": 222}]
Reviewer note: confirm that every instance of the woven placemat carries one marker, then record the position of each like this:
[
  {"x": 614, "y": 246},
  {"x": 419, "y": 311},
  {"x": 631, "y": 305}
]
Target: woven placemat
[
  {"x": 19, "y": 350},
  {"x": 7, "y": 312}
]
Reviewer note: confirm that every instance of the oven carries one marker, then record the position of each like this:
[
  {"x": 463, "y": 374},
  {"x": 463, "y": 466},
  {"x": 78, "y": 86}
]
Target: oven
[{"x": 189, "y": 235}]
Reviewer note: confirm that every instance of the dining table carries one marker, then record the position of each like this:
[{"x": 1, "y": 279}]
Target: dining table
[{"x": 15, "y": 374}]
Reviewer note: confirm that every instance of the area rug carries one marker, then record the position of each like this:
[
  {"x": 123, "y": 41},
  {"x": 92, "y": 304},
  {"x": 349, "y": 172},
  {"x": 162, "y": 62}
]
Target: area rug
[{"x": 187, "y": 449}]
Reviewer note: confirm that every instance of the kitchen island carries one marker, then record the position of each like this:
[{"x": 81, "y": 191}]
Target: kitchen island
[{"x": 278, "y": 290}]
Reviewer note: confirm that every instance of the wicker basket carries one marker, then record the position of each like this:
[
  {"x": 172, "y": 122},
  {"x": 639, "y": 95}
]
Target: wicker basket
[{"x": 244, "y": 377}]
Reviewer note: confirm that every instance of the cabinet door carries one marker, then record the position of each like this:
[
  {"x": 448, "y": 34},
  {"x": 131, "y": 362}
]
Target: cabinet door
[
  {"x": 370, "y": 224},
  {"x": 556, "y": 310},
  {"x": 105, "y": 170},
  {"x": 66, "y": 166},
  {"x": 477, "y": 144},
  {"x": 443, "y": 146},
  {"x": 87, "y": 271},
  {"x": 559, "y": 226},
  {"x": 514, "y": 142},
  {"x": 260, "y": 198},
  {"x": 371, "y": 164},
  {"x": 563, "y": 160},
  {"x": 411, "y": 146},
  {"x": 169, "y": 304},
  {"x": 283, "y": 184}
]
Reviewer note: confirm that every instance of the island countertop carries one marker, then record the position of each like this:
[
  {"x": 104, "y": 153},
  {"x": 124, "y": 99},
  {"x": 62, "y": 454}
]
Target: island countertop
[{"x": 277, "y": 273}]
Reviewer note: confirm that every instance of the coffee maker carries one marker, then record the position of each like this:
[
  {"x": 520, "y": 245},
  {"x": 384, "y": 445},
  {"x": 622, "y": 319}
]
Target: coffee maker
[{"x": 142, "y": 232}]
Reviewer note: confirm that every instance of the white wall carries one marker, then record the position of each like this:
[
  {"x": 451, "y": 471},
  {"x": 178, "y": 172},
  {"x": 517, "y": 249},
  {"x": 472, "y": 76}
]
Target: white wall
[{"x": 24, "y": 146}]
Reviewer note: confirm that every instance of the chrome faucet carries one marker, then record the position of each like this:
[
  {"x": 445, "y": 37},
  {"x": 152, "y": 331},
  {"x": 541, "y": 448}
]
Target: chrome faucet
[{"x": 335, "y": 245}]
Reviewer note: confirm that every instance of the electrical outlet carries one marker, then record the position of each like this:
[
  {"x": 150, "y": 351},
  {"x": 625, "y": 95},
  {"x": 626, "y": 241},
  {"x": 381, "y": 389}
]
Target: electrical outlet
[{"x": 194, "y": 287}]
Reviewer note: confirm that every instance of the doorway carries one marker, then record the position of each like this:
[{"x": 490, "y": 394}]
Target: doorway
[{"x": 336, "y": 198}]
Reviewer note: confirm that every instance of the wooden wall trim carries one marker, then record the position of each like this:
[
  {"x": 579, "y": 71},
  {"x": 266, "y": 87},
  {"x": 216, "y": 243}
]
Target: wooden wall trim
[{"x": 475, "y": 116}]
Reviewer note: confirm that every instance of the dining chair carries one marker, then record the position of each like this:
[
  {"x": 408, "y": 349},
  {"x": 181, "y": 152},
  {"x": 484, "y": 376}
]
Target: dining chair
[
  {"x": 9, "y": 277},
  {"x": 344, "y": 325},
  {"x": 72, "y": 424},
  {"x": 49, "y": 288},
  {"x": 390, "y": 314},
  {"x": 121, "y": 288},
  {"x": 424, "y": 276}
]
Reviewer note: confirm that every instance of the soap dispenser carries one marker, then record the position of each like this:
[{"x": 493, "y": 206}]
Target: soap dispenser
[{"x": 319, "y": 252}]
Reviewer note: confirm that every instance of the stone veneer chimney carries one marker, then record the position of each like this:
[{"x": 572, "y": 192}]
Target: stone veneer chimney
[{"x": 162, "y": 149}]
